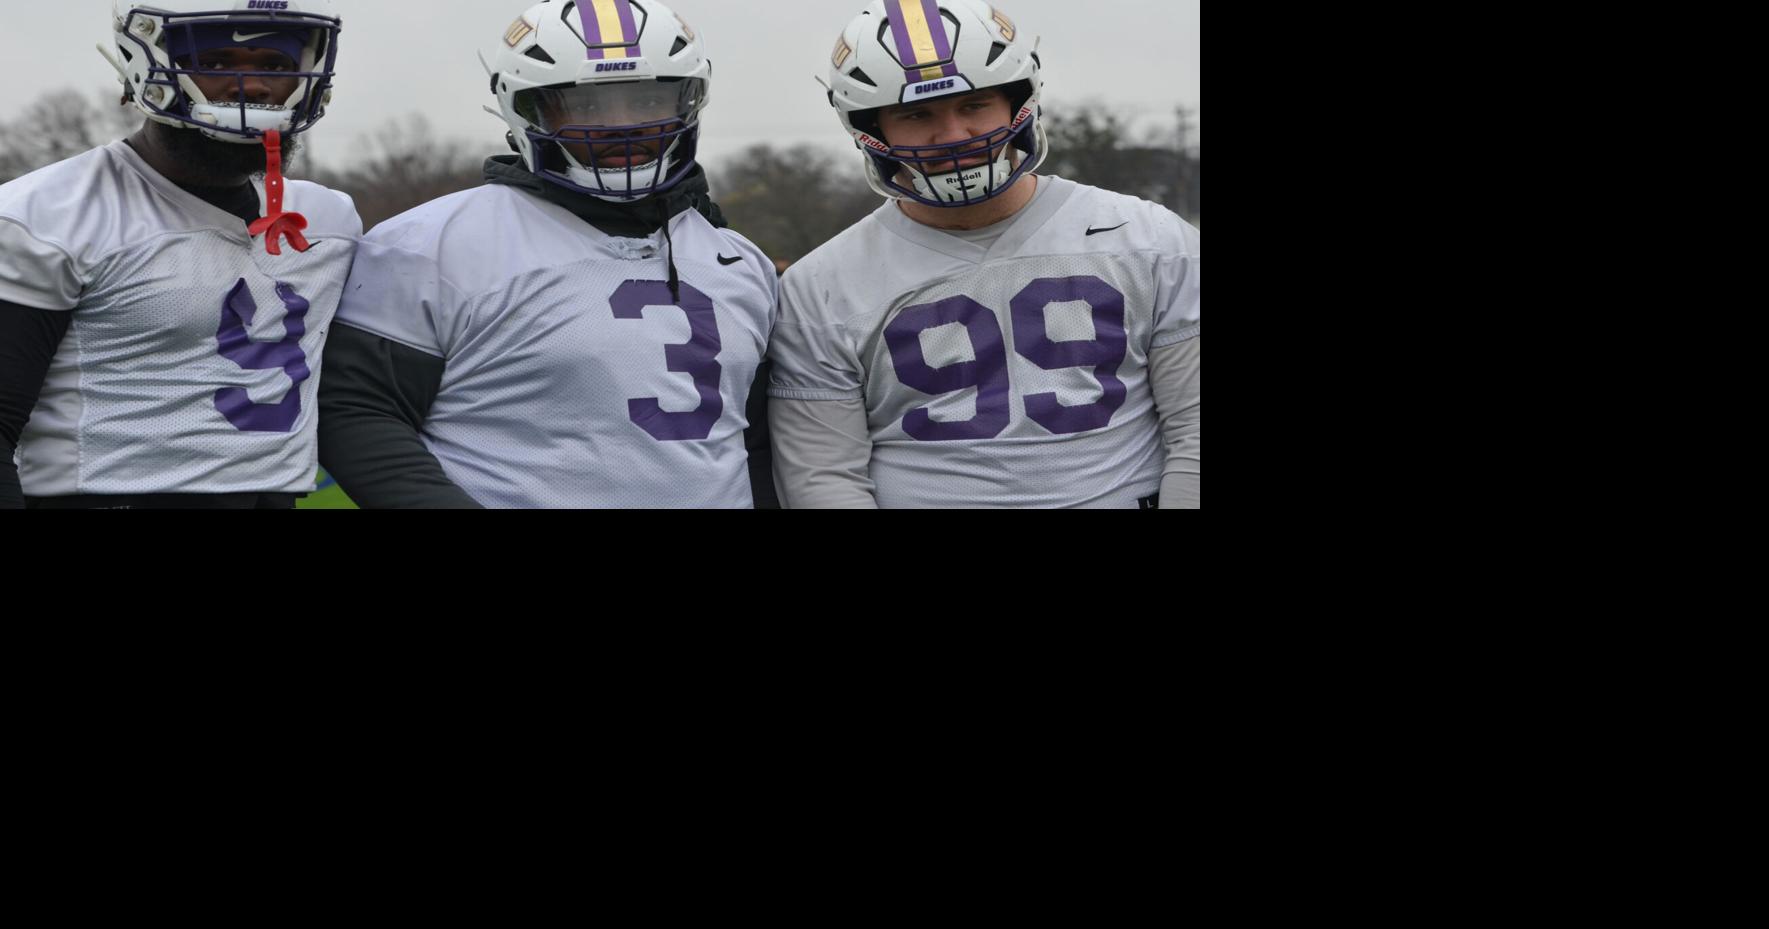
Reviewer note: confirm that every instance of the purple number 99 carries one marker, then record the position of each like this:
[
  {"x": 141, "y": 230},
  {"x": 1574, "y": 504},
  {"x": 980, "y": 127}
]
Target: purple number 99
[{"x": 988, "y": 373}]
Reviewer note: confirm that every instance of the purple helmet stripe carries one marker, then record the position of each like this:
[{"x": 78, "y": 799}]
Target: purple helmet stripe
[
  {"x": 936, "y": 25},
  {"x": 895, "y": 11},
  {"x": 630, "y": 31},
  {"x": 922, "y": 42},
  {"x": 592, "y": 26},
  {"x": 905, "y": 48},
  {"x": 617, "y": 17}
]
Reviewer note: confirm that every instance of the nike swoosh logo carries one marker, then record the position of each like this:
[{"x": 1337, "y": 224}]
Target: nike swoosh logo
[
  {"x": 1091, "y": 230},
  {"x": 247, "y": 38},
  {"x": 729, "y": 261}
]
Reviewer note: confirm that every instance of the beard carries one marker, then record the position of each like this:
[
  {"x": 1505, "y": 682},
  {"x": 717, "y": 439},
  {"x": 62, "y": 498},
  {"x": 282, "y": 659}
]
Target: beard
[{"x": 223, "y": 161}]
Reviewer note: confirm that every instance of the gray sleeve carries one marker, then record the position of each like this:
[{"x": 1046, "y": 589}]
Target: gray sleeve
[
  {"x": 822, "y": 453},
  {"x": 1179, "y": 283},
  {"x": 1175, "y": 374},
  {"x": 374, "y": 395},
  {"x": 812, "y": 357}
]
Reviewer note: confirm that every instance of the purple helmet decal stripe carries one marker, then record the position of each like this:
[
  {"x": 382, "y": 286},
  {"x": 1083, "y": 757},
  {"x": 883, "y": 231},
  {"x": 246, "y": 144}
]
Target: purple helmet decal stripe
[
  {"x": 629, "y": 31},
  {"x": 608, "y": 22},
  {"x": 592, "y": 28},
  {"x": 937, "y": 28},
  {"x": 922, "y": 42},
  {"x": 905, "y": 47},
  {"x": 919, "y": 31}
]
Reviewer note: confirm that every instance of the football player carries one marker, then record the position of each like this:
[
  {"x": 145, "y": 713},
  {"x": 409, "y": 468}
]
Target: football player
[
  {"x": 988, "y": 337},
  {"x": 579, "y": 332},
  {"x": 161, "y": 315}
]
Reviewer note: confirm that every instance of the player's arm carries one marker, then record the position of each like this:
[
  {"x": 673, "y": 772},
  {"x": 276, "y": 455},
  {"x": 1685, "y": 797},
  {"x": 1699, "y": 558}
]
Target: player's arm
[
  {"x": 28, "y": 340},
  {"x": 757, "y": 444},
  {"x": 374, "y": 395},
  {"x": 822, "y": 454},
  {"x": 1176, "y": 377},
  {"x": 1174, "y": 373},
  {"x": 816, "y": 405}
]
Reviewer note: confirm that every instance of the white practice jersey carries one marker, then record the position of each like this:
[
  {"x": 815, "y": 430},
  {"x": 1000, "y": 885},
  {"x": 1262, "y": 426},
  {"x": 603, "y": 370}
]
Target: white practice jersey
[
  {"x": 1012, "y": 376},
  {"x": 572, "y": 378},
  {"x": 191, "y": 361}
]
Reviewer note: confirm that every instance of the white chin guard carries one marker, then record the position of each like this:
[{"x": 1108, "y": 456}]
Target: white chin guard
[
  {"x": 970, "y": 184},
  {"x": 616, "y": 183},
  {"x": 259, "y": 117}
]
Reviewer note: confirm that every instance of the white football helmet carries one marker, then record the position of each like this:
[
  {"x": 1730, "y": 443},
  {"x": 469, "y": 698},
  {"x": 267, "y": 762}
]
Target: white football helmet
[
  {"x": 603, "y": 96},
  {"x": 153, "y": 37},
  {"x": 906, "y": 51}
]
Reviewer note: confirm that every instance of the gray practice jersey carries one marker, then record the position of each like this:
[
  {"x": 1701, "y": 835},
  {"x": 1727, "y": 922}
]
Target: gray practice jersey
[
  {"x": 1012, "y": 375},
  {"x": 192, "y": 358},
  {"x": 572, "y": 378}
]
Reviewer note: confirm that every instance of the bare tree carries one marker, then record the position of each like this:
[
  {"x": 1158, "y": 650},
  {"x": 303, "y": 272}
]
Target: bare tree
[
  {"x": 59, "y": 125},
  {"x": 790, "y": 201},
  {"x": 1095, "y": 146},
  {"x": 402, "y": 166}
]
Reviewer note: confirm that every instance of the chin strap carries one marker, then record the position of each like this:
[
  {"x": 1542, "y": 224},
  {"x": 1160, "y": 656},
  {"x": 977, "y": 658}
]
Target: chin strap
[{"x": 274, "y": 221}]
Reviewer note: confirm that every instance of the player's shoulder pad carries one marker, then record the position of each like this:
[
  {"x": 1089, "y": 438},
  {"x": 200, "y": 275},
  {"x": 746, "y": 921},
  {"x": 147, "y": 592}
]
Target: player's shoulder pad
[
  {"x": 67, "y": 187},
  {"x": 424, "y": 228},
  {"x": 328, "y": 211},
  {"x": 1147, "y": 226}
]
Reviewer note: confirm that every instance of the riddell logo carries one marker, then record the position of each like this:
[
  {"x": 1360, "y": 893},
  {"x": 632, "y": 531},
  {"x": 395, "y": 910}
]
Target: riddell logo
[
  {"x": 268, "y": 5},
  {"x": 618, "y": 66}
]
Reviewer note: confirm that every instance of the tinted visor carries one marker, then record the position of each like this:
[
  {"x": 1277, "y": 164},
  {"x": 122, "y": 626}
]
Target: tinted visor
[{"x": 629, "y": 103}]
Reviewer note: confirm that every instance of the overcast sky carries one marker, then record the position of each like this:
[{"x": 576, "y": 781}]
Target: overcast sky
[{"x": 1140, "y": 58}]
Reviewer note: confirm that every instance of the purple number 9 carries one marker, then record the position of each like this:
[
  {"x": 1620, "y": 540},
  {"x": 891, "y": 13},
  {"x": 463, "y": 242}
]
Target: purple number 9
[
  {"x": 698, "y": 358},
  {"x": 236, "y": 345},
  {"x": 988, "y": 373},
  {"x": 1105, "y": 351}
]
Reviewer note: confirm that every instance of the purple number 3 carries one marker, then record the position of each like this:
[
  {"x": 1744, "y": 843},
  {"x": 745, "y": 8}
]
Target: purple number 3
[
  {"x": 236, "y": 345},
  {"x": 988, "y": 373},
  {"x": 698, "y": 358}
]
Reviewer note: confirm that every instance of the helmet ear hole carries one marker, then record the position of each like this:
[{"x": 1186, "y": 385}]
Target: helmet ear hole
[{"x": 1018, "y": 93}]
